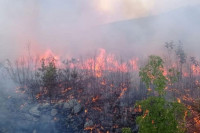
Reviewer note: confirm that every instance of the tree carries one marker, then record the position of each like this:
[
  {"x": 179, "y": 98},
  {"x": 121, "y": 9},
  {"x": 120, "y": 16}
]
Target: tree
[
  {"x": 49, "y": 76},
  {"x": 159, "y": 115},
  {"x": 152, "y": 74},
  {"x": 23, "y": 72},
  {"x": 181, "y": 57}
]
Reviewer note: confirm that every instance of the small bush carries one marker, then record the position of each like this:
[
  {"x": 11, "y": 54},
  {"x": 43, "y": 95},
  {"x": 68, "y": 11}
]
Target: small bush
[{"x": 126, "y": 130}]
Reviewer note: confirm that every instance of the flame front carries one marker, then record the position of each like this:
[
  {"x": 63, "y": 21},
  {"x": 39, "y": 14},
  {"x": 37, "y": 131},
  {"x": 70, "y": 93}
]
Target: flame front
[{"x": 108, "y": 62}]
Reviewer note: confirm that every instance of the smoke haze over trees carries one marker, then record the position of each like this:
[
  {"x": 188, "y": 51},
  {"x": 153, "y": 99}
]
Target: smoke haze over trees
[
  {"x": 74, "y": 28},
  {"x": 81, "y": 66}
]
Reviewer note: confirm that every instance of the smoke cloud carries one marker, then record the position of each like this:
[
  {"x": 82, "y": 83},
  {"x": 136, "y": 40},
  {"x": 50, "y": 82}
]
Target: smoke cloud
[{"x": 71, "y": 28}]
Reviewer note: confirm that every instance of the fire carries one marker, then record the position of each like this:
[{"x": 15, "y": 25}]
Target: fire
[
  {"x": 195, "y": 69},
  {"x": 139, "y": 109},
  {"x": 149, "y": 89},
  {"x": 89, "y": 128},
  {"x": 103, "y": 62},
  {"x": 100, "y": 63},
  {"x": 38, "y": 96},
  {"x": 97, "y": 109},
  {"x": 86, "y": 111},
  {"x": 94, "y": 99},
  {"x": 165, "y": 72},
  {"x": 185, "y": 115},
  {"x": 178, "y": 100},
  {"x": 185, "y": 74},
  {"x": 66, "y": 90},
  {"x": 103, "y": 83},
  {"x": 134, "y": 64},
  {"x": 197, "y": 120},
  {"x": 123, "y": 92},
  {"x": 48, "y": 55},
  {"x": 146, "y": 113}
]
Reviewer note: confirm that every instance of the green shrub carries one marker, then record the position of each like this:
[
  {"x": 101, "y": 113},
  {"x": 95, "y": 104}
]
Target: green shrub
[
  {"x": 126, "y": 130},
  {"x": 159, "y": 115}
]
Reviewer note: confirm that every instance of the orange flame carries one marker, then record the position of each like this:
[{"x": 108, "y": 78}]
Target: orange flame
[
  {"x": 107, "y": 62},
  {"x": 195, "y": 69},
  {"x": 49, "y": 54},
  {"x": 94, "y": 99},
  {"x": 178, "y": 100},
  {"x": 123, "y": 92}
]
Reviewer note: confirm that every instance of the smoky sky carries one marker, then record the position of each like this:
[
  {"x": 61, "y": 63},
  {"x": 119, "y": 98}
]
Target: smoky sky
[{"x": 73, "y": 27}]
